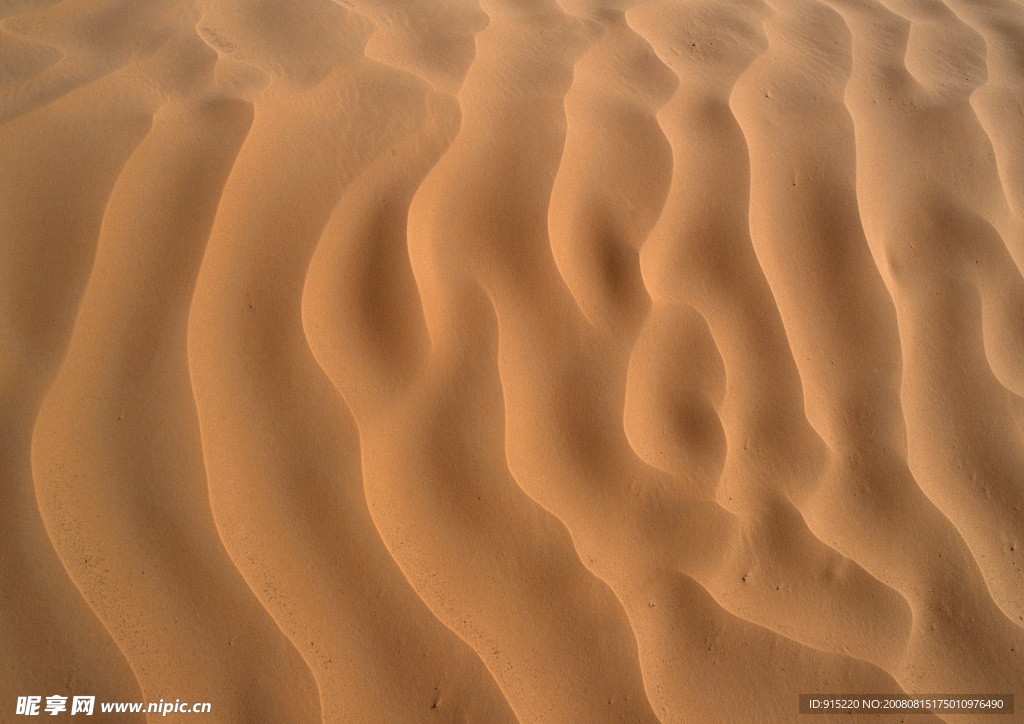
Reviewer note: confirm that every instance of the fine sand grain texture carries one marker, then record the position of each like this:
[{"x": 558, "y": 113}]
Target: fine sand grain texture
[{"x": 493, "y": 361}]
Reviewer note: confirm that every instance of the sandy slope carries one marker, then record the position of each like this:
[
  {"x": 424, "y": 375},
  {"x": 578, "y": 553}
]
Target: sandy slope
[{"x": 521, "y": 360}]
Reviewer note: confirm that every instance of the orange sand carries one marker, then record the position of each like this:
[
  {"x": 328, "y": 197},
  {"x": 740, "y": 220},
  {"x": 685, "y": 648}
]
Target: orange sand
[{"x": 578, "y": 361}]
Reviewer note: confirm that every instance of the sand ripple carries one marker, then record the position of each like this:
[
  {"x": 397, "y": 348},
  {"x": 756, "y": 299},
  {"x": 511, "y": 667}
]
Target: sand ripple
[{"x": 570, "y": 361}]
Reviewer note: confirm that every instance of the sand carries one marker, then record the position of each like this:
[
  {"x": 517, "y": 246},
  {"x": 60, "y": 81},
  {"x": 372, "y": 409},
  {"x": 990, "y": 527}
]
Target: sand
[{"x": 512, "y": 360}]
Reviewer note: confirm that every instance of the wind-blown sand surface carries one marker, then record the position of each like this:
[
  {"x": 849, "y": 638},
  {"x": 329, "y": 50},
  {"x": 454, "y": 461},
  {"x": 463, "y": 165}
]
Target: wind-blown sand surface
[{"x": 576, "y": 361}]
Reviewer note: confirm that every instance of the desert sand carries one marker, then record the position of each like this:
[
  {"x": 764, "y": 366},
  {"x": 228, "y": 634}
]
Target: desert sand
[{"x": 513, "y": 360}]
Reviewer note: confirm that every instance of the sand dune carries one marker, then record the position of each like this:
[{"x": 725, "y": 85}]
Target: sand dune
[{"x": 511, "y": 360}]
